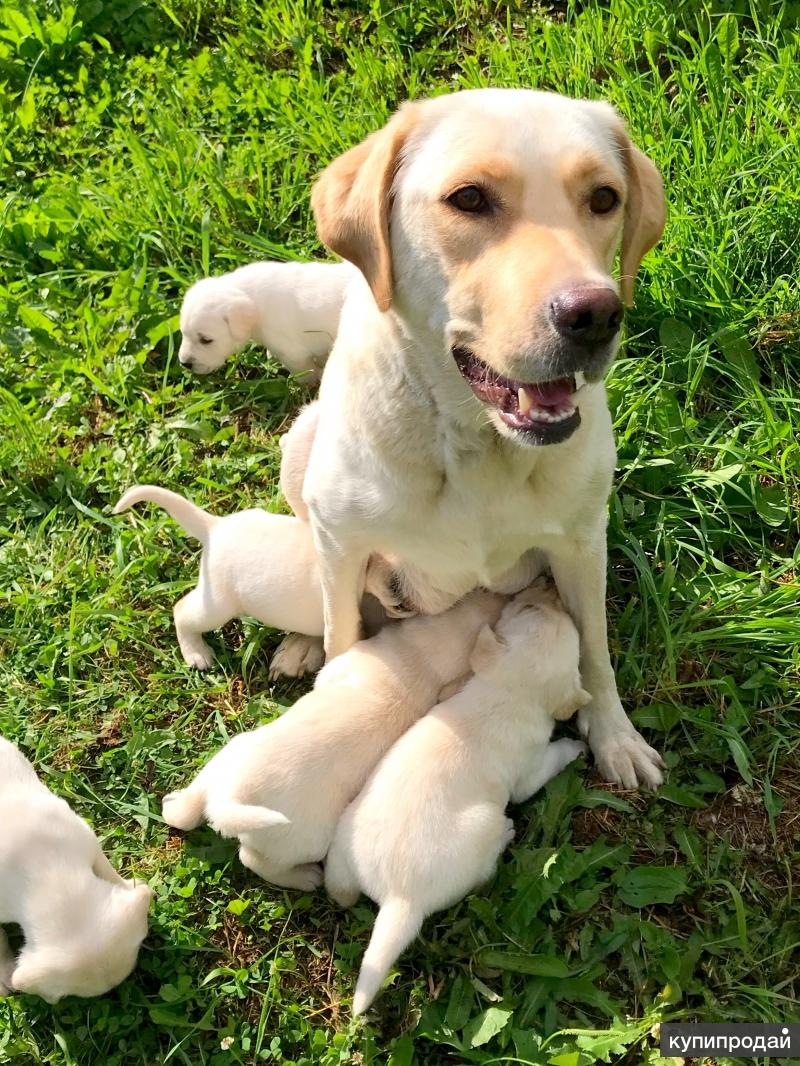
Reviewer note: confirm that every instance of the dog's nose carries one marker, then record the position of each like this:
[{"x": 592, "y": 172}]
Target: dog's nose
[
  {"x": 186, "y": 360},
  {"x": 587, "y": 315}
]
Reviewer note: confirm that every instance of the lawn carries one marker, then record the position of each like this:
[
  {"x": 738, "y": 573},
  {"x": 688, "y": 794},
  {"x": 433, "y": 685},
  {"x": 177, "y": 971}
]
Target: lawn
[{"x": 148, "y": 143}]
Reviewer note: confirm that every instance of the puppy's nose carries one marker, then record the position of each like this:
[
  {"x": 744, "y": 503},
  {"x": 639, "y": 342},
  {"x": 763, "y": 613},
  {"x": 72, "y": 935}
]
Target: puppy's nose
[
  {"x": 186, "y": 360},
  {"x": 587, "y": 314}
]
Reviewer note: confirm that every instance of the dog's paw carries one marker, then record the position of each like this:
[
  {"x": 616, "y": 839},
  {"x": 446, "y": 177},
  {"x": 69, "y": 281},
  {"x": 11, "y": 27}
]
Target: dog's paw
[
  {"x": 345, "y": 898},
  {"x": 198, "y": 655},
  {"x": 296, "y": 656},
  {"x": 309, "y": 876},
  {"x": 622, "y": 754}
]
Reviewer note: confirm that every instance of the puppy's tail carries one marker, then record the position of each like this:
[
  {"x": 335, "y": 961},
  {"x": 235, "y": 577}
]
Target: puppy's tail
[
  {"x": 194, "y": 519},
  {"x": 395, "y": 927},
  {"x": 184, "y": 809},
  {"x": 232, "y": 819}
]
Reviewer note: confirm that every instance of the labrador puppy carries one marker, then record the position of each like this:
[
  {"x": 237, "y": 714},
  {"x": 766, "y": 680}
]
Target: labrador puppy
[
  {"x": 463, "y": 427},
  {"x": 430, "y": 824},
  {"x": 259, "y": 564},
  {"x": 281, "y": 789},
  {"x": 83, "y": 924},
  {"x": 290, "y": 308}
]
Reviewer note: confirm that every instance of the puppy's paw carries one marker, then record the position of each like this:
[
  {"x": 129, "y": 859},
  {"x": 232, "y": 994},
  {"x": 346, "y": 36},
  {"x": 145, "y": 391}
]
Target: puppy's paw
[
  {"x": 297, "y": 655},
  {"x": 308, "y": 876},
  {"x": 198, "y": 655},
  {"x": 573, "y": 749},
  {"x": 345, "y": 900},
  {"x": 386, "y": 584}
]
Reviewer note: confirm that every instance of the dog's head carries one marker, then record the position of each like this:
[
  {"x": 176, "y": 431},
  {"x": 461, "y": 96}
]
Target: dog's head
[
  {"x": 536, "y": 646},
  {"x": 490, "y": 220},
  {"x": 217, "y": 319},
  {"x": 95, "y": 954}
]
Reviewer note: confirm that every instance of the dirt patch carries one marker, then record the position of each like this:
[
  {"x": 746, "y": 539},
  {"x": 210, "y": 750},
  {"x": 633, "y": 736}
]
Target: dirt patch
[
  {"x": 589, "y": 823},
  {"x": 239, "y": 950},
  {"x": 740, "y": 818}
]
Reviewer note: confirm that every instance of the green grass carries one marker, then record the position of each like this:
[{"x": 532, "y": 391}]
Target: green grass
[{"x": 146, "y": 144}]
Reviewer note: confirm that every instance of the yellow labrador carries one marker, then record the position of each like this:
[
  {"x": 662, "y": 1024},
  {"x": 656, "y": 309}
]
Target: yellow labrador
[{"x": 462, "y": 425}]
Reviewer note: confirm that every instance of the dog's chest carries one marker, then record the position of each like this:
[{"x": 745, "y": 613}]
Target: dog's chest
[{"x": 484, "y": 515}]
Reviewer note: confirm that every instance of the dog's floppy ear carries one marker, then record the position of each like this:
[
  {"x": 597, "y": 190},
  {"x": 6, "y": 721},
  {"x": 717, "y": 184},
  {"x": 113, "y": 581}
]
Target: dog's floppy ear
[
  {"x": 240, "y": 314},
  {"x": 351, "y": 202},
  {"x": 645, "y": 213},
  {"x": 487, "y": 650}
]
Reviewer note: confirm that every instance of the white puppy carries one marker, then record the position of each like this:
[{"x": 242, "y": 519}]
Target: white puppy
[
  {"x": 290, "y": 308},
  {"x": 430, "y": 823},
  {"x": 258, "y": 564},
  {"x": 83, "y": 924},
  {"x": 282, "y": 788}
]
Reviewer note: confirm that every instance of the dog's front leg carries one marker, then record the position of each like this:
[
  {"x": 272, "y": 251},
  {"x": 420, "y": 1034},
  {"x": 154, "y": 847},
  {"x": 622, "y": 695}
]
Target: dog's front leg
[
  {"x": 621, "y": 753},
  {"x": 343, "y": 573}
]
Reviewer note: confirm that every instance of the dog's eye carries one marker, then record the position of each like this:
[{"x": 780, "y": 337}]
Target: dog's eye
[
  {"x": 205, "y": 340},
  {"x": 469, "y": 199},
  {"x": 603, "y": 200}
]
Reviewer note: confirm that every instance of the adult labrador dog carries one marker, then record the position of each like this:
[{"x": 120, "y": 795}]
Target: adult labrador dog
[{"x": 463, "y": 428}]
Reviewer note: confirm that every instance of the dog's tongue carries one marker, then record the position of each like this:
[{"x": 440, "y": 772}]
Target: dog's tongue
[{"x": 551, "y": 393}]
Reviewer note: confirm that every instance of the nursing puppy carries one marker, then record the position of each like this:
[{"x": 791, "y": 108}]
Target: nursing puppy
[
  {"x": 83, "y": 924},
  {"x": 430, "y": 823},
  {"x": 282, "y": 788},
  {"x": 463, "y": 424},
  {"x": 258, "y": 564},
  {"x": 290, "y": 308}
]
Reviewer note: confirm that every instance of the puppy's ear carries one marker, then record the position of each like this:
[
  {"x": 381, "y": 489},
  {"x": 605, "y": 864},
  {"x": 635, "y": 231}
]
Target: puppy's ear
[
  {"x": 37, "y": 977},
  {"x": 240, "y": 315},
  {"x": 576, "y": 700},
  {"x": 488, "y": 649},
  {"x": 645, "y": 213},
  {"x": 351, "y": 201}
]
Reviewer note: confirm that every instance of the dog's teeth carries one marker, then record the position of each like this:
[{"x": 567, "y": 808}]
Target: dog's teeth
[
  {"x": 524, "y": 400},
  {"x": 580, "y": 379}
]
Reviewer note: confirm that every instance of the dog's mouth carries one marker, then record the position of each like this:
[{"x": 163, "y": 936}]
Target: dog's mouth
[{"x": 541, "y": 413}]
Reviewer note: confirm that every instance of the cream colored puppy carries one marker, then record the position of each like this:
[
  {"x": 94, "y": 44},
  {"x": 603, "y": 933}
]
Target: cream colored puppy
[
  {"x": 462, "y": 420},
  {"x": 430, "y": 823},
  {"x": 290, "y": 308},
  {"x": 282, "y": 788},
  {"x": 258, "y": 564},
  {"x": 83, "y": 924}
]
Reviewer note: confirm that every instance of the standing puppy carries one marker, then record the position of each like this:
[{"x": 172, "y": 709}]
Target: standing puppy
[
  {"x": 290, "y": 308},
  {"x": 83, "y": 924},
  {"x": 430, "y": 823},
  {"x": 463, "y": 421},
  {"x": 282, "y": 788},
  {"x": 254, "y": 563}
]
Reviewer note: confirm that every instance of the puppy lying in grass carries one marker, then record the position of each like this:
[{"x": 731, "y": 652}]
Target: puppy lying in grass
[
  {"x": 290, "y": 308},
  {"x": 430, "y": 823},
  {"x": 83, "y": 924},
  {"x": 282, "y": 788},
  {"x": 259, "y": 564}
]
